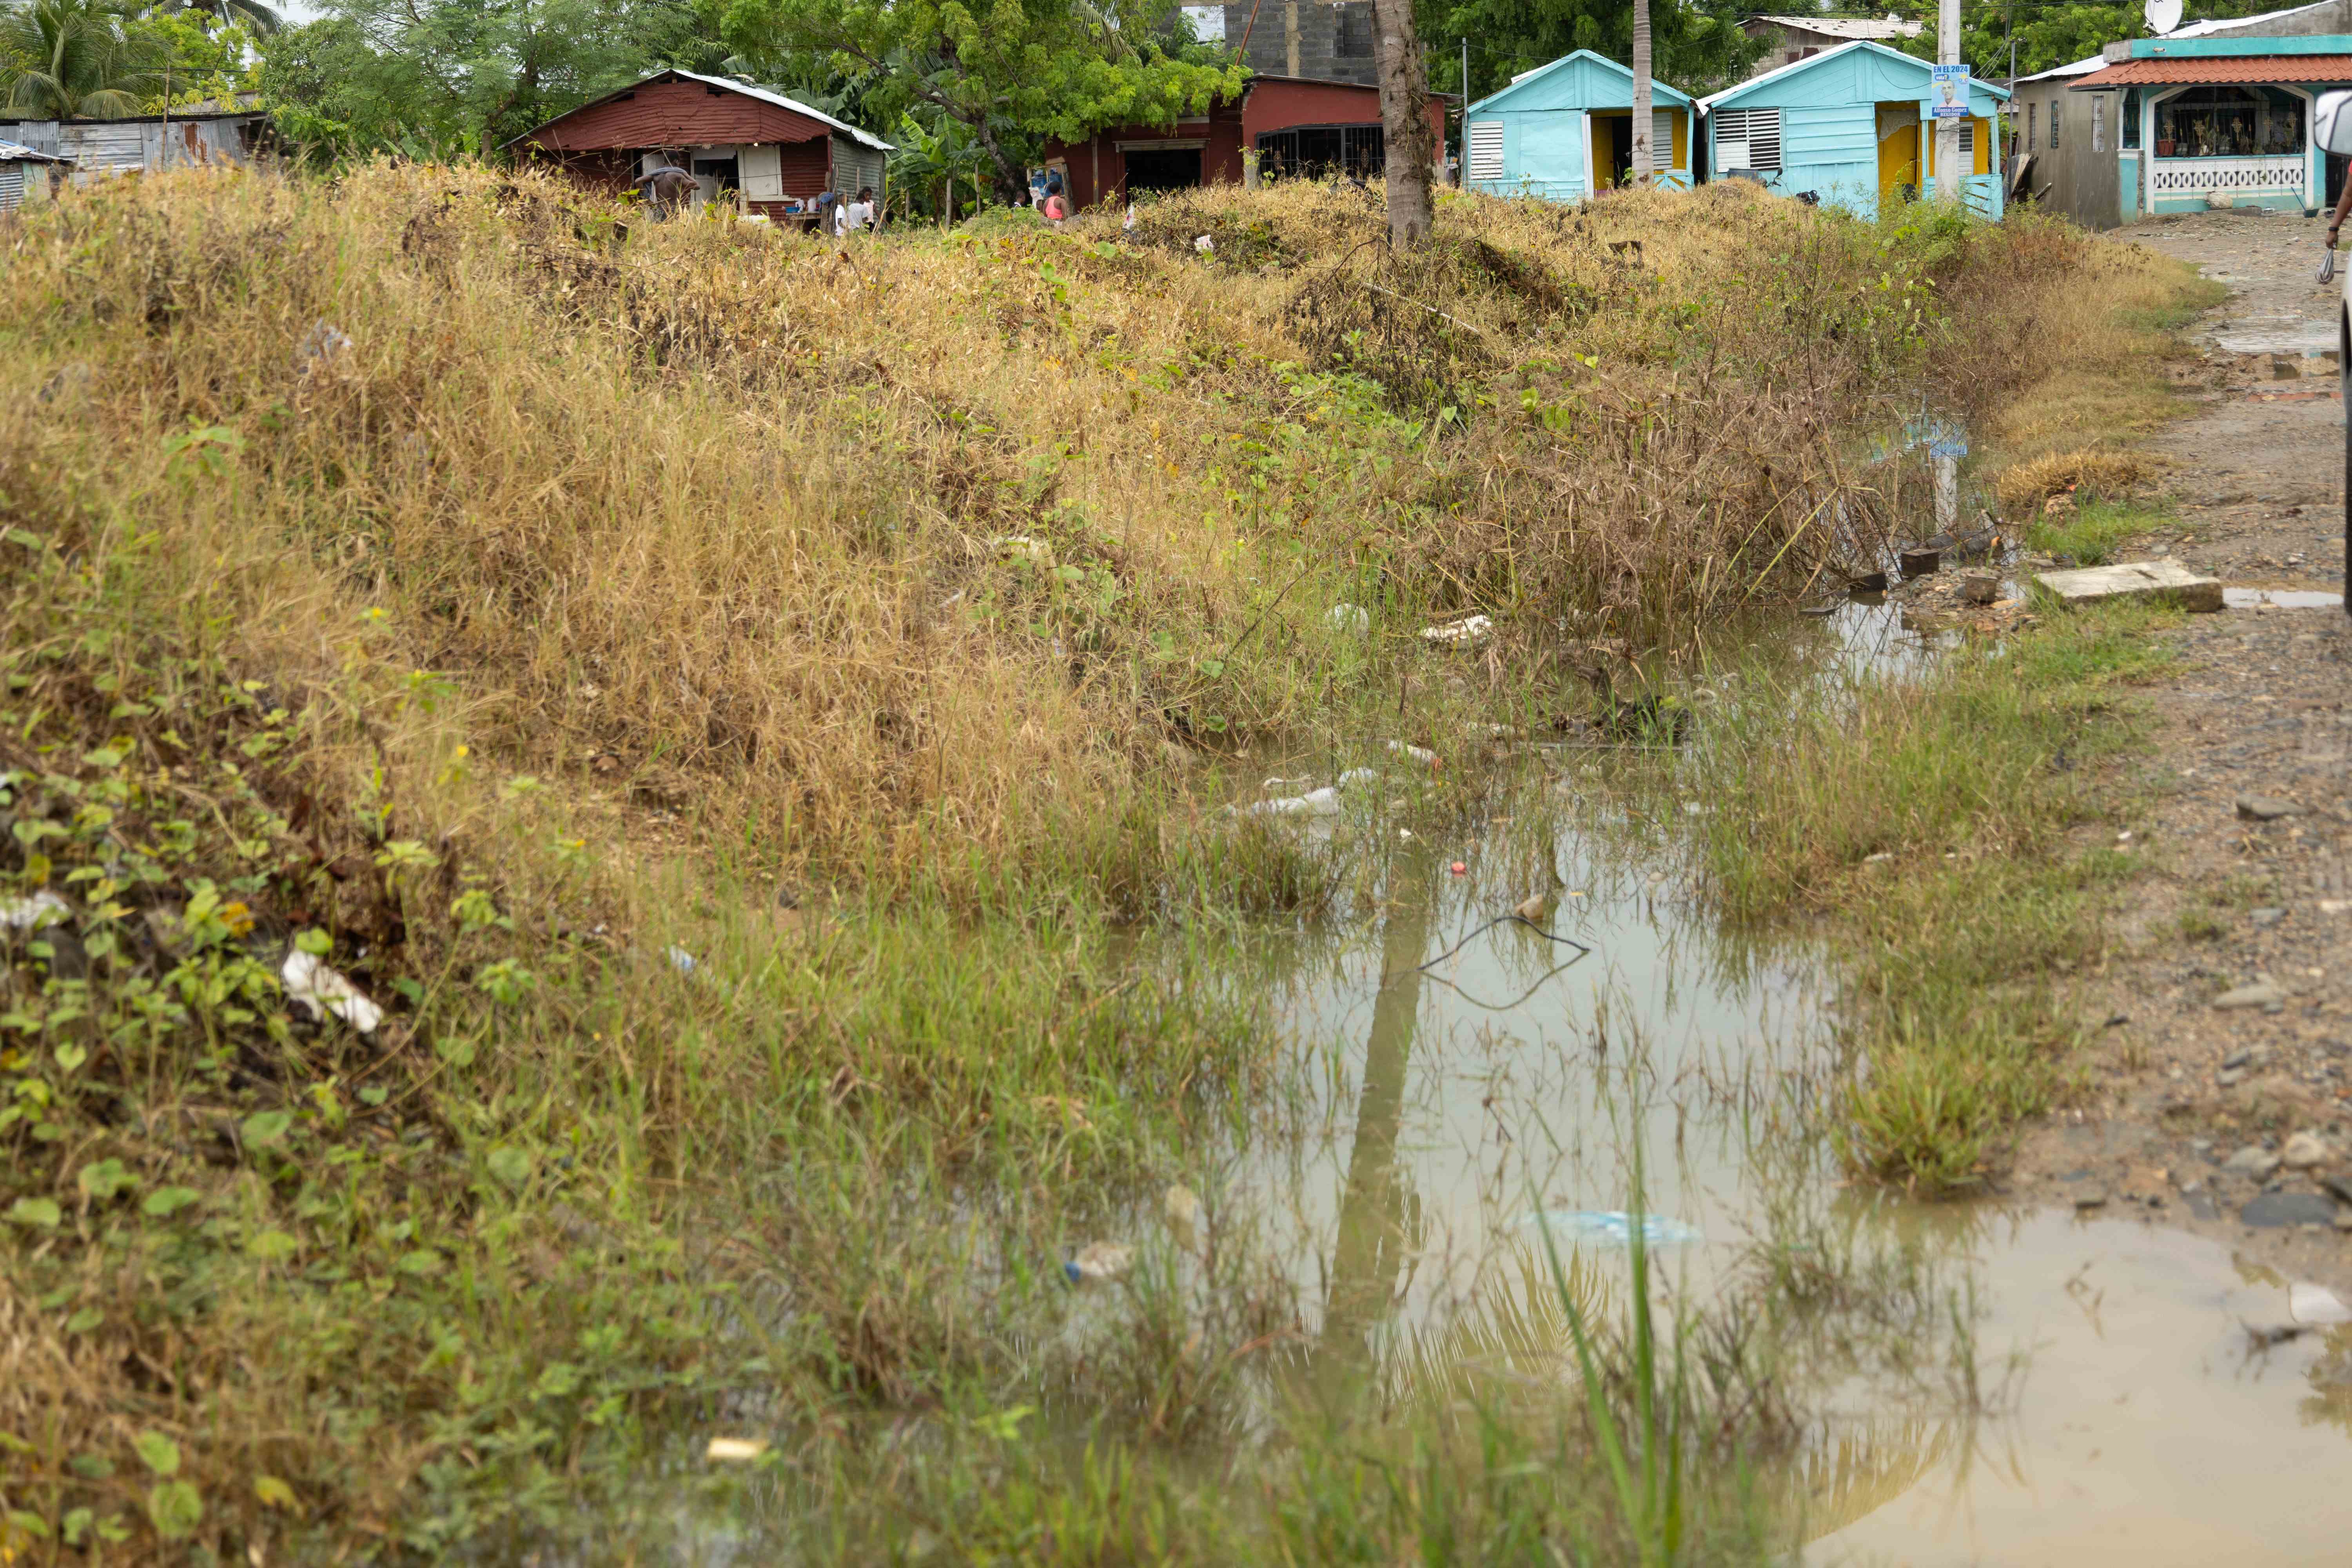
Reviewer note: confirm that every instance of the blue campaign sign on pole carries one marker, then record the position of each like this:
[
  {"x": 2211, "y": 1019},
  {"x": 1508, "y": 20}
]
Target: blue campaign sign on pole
[{"x": 1950, "y": 100}]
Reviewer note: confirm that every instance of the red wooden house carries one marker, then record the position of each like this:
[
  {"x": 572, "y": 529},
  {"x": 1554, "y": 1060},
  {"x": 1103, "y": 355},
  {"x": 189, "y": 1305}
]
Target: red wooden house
[
  {"x": 740, "y": 141},
  {"x": 1296, "y": 125}
]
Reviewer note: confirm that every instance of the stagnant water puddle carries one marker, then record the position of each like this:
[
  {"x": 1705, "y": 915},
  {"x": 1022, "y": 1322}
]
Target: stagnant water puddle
[{"x": 2116, "y": 1407}]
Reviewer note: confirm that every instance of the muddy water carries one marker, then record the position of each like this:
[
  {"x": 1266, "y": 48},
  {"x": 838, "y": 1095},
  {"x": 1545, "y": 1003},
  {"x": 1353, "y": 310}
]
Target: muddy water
[{"x": 2114, "y": 1411}]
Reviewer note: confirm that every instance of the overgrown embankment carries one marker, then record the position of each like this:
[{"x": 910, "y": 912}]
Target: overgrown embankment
[
  {"x": 1932, "y": 824},
  {"x": 396, "y": 568},
  {"x": 912, "y": 546}
]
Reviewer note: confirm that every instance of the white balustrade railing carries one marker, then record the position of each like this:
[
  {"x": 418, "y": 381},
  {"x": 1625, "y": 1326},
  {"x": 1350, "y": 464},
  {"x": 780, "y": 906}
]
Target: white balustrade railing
[{"x": 2252, "y": 176}]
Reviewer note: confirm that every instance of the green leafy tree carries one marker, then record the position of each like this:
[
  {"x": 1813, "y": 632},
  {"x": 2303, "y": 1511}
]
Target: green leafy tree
[
  {"x": 464, "y": 75},
  {"x": 2046, "y": 33},
  {"x": 1696, "y": 44},
  {"x": 936, "y": 157},
  {"x": 251, "y": 15},
  {"x": 70, "y": 58},
  {"x": 1009, "y": 71},
  {"x": 205, "y": 59}
]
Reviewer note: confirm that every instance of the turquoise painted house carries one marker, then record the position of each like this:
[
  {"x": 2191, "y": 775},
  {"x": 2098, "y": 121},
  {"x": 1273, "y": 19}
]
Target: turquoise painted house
[
  {"x": 1852, "y": 126},
  {"x": 1565, "y": 130}
]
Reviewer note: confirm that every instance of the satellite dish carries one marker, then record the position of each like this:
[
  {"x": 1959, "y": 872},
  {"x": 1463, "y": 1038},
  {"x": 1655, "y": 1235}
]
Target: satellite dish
[{"x": 2163, "y": 16}]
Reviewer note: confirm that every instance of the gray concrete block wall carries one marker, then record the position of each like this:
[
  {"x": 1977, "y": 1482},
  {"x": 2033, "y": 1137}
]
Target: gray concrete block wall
[{"x": 1302, "y": 37}]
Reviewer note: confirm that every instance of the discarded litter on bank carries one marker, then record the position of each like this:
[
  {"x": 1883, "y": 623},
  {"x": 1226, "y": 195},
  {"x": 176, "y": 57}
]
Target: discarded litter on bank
[
  {"x": 44, "y": 908},
  {"x": 1467, "y": 632},
  {"x": 320, "y": 990}
]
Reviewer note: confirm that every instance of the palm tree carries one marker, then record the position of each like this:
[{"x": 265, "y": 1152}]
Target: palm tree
[
  {"x": 1645, "y": 156},
  {"x": 74, "y": 57},
  {"x": 252, "y": 13}
]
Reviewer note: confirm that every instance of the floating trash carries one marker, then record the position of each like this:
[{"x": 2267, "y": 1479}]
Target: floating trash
[
  {"x": 1100, "y": 1260},
  {"x": 1350, "y": 618},
  {"x": 1324, "y": 802},
  {"x": 2309, "y": 1303},
  {"x": 734, "y": 1450},
  {"x": 679, "y": 960},
  {"x": 1613, "y": 1227},
  {"x": 1181, "y": 1206}
]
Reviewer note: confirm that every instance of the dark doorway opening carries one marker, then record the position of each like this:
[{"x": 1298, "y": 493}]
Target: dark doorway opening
[
  {"x": 1309, "y": 150},
  {"x": 1620, "y": 149},
  {"x": 721, "y": 170},
  {"x": 1163, "y": 169}
]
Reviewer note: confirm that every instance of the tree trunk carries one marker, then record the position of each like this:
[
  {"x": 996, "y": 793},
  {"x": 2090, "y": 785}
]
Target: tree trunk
[
  {"x": 1404, "y": 122},
  {"x": 1645, "y": 156}
]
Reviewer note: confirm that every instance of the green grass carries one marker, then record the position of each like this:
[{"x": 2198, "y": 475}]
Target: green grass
[
  {"x": 2096, "y": 530},
  {"x": 322, "y": 659},
  {"x": 1928, "y": 823}
]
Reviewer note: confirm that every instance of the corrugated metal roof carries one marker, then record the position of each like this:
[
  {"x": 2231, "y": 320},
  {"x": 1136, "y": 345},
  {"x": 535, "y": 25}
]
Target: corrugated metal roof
[
  {"x": 1706, "y": 105},
  {"x": 2077, "y": 67},
  {"x": 2239, "y": 23},
  {"x": 795, "y": 105},
  {"x": 1847, "y": 27},
  {"x": 17, "y": 153},
  {"x": 764, "y": 94},
  {"x": 2221, "y": 68}
]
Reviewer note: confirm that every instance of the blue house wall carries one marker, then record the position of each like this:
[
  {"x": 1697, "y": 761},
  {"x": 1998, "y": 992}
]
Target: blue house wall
[
  {"x": 1830, "y": 124},
  {"x": 1546, "y": 121}
]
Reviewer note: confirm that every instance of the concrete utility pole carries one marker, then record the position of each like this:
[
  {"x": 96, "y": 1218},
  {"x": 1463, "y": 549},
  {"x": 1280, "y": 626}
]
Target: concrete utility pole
[{"x": 1948, "y": 131}]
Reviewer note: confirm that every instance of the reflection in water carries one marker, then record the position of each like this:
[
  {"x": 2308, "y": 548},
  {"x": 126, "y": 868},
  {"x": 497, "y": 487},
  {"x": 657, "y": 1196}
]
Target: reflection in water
[
  {"x": 1370, "y": 1248},
  {"x": 1949, "y": 1427}
]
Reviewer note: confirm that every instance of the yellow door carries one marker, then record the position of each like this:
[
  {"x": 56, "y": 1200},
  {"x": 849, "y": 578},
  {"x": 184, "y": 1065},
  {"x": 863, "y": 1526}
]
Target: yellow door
[{"x": 1898, "y": 165}]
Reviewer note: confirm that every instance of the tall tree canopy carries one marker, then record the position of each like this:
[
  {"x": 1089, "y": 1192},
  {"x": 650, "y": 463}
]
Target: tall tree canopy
[
  {"x": 2047, "y": 33},
  {"x": 60, "y": 58},
  {"x": 1696, "y": 44},
  {"x": 467, "y": 74},
  {"x": 1009, "y": 71}
]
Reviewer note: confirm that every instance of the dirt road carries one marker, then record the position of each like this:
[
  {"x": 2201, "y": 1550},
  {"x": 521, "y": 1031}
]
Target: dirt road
[{"x": 2240, "y": 811}]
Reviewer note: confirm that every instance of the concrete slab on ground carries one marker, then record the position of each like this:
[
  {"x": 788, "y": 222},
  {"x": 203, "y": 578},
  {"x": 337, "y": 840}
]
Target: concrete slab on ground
[{"x": 2135, "y": 580}]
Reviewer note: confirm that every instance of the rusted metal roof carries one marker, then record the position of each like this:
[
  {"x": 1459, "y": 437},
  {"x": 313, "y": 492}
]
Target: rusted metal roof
[{"x": 2220, "y": 68}]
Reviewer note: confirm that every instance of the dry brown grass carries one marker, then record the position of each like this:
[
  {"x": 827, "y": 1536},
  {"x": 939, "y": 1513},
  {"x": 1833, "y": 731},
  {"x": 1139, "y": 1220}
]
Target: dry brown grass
[
  {"x": 716, "y": 514},
  {"x": 715, "y": 520},
  {"x": 2021, "y": 487},
  {"x": 2092, "y": 374}
]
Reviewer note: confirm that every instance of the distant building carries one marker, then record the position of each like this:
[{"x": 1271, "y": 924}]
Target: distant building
[
  {"x": 1850, "y": 128},
  {"x": 25, "y": 174},
  {"x": 190, "y": 138},
  {"x": 1790, "y": 39},
  {"x": 1564, "y": 131},
  {"x": 1320, "y": 40},
  {"x": 743, "y": 144},
  {"x": 1279, "y": 127},
  {"x": 2209, "y": 114}
]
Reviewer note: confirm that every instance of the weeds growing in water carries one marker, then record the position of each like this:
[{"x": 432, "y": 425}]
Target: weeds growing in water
[
  {"x": 504, "y": 644},
  {"x": 1931, "y": 816}
]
